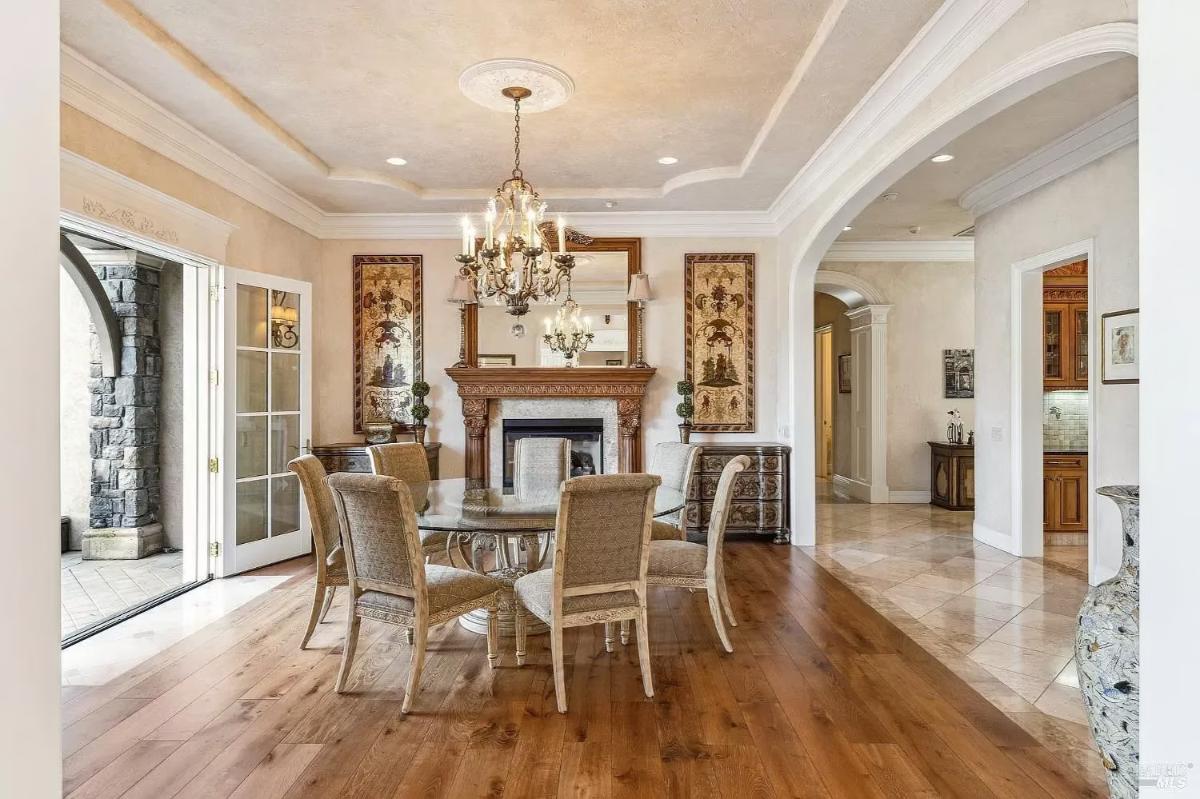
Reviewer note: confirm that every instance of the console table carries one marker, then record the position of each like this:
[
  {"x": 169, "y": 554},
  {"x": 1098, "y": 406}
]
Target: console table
[
  {"x": 952, "y": 475},
  {"x": 761, "y": 505},
  {"x": 352, "y": 457}
]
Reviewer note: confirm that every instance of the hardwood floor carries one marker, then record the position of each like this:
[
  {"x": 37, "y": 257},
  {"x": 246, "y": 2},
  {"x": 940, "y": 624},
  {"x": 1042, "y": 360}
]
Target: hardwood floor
[{"x": 823, "y": 697}]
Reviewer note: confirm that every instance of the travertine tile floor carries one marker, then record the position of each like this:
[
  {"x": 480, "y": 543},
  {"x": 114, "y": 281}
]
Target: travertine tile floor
[
  {"x": 1004, "y": 624},
  {"x": 93, "y": 590}
]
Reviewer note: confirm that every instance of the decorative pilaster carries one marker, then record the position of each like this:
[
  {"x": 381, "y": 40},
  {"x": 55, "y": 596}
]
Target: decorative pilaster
[
  {"x": 629, "y": 422},
  {"x": 868, "y": 402},
  {"x": 475, "y": 420}
]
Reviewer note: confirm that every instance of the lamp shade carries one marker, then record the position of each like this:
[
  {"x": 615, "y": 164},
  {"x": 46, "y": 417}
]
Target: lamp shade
[
  {"x": 639, "y": 288},
  {"x": 463, "y": 291}
]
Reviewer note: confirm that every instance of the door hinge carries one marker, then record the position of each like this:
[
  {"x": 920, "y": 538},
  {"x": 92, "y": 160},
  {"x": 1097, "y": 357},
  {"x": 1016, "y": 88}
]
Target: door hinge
[
  {"x": 214, "y": 377},
  {"x": 214, "y": 293},
  {"x": 214, "y": 549},
  {"x": 214, "y": 465}
]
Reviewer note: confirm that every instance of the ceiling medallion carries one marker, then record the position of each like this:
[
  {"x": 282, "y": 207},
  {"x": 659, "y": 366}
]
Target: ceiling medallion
[
  {"x": 513, "y": 267},
  {"x": 549, "y": 87}
]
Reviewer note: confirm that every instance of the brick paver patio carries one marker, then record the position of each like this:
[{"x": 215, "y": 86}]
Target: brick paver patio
[{"x": 93, "y": 590}]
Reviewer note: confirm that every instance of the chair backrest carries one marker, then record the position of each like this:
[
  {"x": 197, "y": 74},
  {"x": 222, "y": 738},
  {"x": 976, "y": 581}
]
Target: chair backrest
[
  {"x": 407, "y": 461},
  {"x": 322, "y": 513},
  {"x": 540, "y": 465},
  {"x": 379, "y": 531},
  {"x": 719, "y": 516},
  {"x": 675, "y": 463},
  {"x": 602, "y": 535}
]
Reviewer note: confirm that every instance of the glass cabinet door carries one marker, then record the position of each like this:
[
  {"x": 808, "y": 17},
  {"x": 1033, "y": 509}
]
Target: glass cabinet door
[
  {"x": 1053, "y": 343},
  {"x": 1080, "y": 350}
]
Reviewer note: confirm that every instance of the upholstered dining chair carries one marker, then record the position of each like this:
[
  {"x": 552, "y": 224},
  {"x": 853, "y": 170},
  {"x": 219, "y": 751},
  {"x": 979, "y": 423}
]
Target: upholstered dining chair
[
  {"x": 685, "y": 564},
  {"x": 676, "y": 464},
  {"x": 540, "y": 465},
  {"x": 601, "y": 551},
  {"x": 389, "y": 580},
  {"x": 407, "y": 461},
  {"x": 327, "y": 545}
]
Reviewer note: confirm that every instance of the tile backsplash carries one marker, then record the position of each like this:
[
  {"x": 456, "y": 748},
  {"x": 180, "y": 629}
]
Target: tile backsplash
[{"x": 1064, "y": 421}]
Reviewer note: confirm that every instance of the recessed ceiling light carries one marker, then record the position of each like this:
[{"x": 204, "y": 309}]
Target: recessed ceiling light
[
  {"x": 942, "y": 158},
  {"x": 396, "y": 160},
  {"x": 848, "y": 227},
  {"x": 667, "y": 160},
  {"x": 610, "y": 204}
]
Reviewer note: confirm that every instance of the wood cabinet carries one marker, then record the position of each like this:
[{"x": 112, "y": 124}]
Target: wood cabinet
[
  {"x": 353, "y": 457},
  {"x": 1065, "y": 493},
  {"x": 1065, "y": 328},
  {"x": 952, "y": 475},
  {"x": 760, "y": 494}
]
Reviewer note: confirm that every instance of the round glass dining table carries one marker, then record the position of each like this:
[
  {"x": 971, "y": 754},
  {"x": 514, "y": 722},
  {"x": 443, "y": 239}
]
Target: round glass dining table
[{"x": 504, "y": 535}]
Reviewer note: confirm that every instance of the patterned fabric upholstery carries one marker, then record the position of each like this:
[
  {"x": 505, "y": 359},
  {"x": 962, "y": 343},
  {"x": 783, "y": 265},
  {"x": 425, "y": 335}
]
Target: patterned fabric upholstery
[
  {"x": 322, "y": 514},
  {"x": 535, "y": 591},
  {"x": 406, "y": 462},
  {"x": 665, "y": 531},
  {"x": 601, "y": 527},
  {"x": 678, "y": 559},
  {"x": 447, "y": 588},
  {"x": 540, "y": 465},
  {"x": 675, "y": 463}
]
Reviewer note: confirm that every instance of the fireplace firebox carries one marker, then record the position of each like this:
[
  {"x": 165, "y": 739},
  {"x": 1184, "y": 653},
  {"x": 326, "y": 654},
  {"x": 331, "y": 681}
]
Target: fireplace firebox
[{"x": 586, "y": 437}]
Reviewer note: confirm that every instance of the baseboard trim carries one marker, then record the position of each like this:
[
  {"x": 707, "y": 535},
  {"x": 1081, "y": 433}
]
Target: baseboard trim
[
  {"x": 852, "y": 489},
  {"x": 908, "y": 497},
  {"x": 993, "y": 538}
]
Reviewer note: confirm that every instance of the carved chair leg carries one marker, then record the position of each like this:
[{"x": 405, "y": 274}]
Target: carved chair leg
[
  {"x": 408, "y": 636},
  {"x": 348, "y": 650},
  {"x": 625, "y": 632},
  {"x": 493, "y": 633},
  {"x": 314, "y": 616},
  {"x": 519, "y": 631},
  {"x": 328, "y": 601},
  {"x": 714, "y": 608},
  {"x": 556, "y": 662},
  {"x": 608, "y": 636},
  {"x": 725, "y": 603},
  {"x": 418, "y": 662},
  {"x": 643, "y": 645}
]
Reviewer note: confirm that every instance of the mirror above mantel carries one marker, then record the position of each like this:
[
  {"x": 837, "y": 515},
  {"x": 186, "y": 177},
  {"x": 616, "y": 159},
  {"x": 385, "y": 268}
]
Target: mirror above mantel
[{"x": 604, "y": 268}]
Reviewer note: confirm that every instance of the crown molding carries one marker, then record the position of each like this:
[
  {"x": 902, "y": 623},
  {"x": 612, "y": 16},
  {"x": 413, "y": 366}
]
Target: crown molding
[
  {"x": 954, "y": 32},
  {"x": 665, "y": 224},
  {"x": 912, "y": 251},
  {"x": 99, "y": 94},
  {"x": 1105, "y": 134}
]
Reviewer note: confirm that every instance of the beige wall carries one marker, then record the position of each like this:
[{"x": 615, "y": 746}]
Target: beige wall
[
  {"x": 261, "y": 241},
  {"x": 74, "y": 398},
  {"x": 933, "y": 309},
  {"x": 662, "y": 259},
  {"x": 829, "y": 310}
]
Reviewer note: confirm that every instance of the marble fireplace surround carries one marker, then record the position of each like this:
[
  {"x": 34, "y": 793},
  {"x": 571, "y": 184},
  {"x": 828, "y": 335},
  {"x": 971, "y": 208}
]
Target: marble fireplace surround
[
  {"x": 489, "y": 393},
  {"x": 549, "y": 408}
]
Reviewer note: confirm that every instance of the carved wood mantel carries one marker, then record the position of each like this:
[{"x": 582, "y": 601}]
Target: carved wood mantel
[{"x": 478, "y": 386}]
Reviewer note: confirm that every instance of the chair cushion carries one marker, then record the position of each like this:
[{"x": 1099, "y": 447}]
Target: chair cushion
[
  {"x": 663, "y": 531},
  {"x": 447, "y": 588},
  {"x": 433, "y": 539},
  {"x": 677, "y": 559},
  {"x": 534, "y": 589}
]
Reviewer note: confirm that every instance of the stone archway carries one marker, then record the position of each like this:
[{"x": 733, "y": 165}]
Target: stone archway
[{"x": 104, "y": 318}]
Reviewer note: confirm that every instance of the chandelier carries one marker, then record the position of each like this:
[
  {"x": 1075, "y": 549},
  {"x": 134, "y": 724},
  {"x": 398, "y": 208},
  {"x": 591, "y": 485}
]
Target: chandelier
[
  {"x": 567, "y": 333},
  {"x": 512, "y": 266}
]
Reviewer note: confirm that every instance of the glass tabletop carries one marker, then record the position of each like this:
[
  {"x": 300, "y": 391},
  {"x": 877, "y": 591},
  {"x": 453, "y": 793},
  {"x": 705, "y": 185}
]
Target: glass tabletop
[{"x": 454, "y": 505}]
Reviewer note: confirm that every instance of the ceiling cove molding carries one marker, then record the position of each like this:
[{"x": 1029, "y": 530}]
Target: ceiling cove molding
[
  {"x": 92, "y": 90},
  {"x": 955, "y": 31},
  {"x": 1105, "y": 134},
  {"x": 673, "y": 224},
  {"x": 910, "y": 251}
]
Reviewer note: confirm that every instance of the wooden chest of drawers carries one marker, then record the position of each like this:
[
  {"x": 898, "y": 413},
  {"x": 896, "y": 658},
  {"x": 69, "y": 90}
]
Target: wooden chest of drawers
[
  {"x": 760, "y": 494},
  {"x": 352, "y": 457}
]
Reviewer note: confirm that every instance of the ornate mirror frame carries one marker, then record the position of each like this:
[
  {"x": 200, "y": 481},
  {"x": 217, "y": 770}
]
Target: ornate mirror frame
[{"x": 576, "y": 242}]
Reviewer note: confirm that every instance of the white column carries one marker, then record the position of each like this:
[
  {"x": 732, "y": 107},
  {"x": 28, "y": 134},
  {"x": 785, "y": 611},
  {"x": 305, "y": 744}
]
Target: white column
[
  {"x": 30, "y": 748},
  {"x": 1169, "y": 426},
  {"x": 868, "y": 402}
]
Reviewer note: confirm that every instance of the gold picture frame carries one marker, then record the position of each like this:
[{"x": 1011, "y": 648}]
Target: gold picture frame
[
  {"x": 719, "y": 340},
  {"x": 388, "y": 339}
]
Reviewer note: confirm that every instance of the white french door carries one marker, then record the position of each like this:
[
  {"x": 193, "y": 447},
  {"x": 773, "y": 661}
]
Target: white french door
[{"x": 267, "y": 418}]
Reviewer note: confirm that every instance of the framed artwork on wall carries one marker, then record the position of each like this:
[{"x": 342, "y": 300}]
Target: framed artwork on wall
[
  {"x": 388, "y": 345},
  {"x": 958, "y": 374},
  {"x": 718, "y": 348},
  {"x": 844, "y": 363},
  {"x": 497, "y": 359},
  {"x": 1119, "y": 352}
]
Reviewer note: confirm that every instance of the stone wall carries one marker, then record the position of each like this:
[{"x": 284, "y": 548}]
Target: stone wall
[{"x": 124, "y": 412}]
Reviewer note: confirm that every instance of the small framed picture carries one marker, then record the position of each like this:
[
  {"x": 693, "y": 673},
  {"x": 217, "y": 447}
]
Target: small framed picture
[
  {"x": 494, "y": 359},
  {"x": 843, "y": 374},
  {"x": 958, "y": 374},
  {"x": 1119, "y": 357},
  {"x": 613, "y": 362}
]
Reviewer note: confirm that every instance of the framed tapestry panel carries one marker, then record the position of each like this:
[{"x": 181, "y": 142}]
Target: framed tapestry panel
[
  {"x": 718, "y": 346},
  {"x": 387, "y": 338}
]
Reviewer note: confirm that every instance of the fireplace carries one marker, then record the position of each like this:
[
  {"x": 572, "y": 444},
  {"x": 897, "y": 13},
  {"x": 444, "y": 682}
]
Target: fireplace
[{"x": 586, "y": 437}]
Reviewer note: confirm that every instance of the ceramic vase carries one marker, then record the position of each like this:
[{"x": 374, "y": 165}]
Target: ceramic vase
[{"x": 1106, "y": 655}]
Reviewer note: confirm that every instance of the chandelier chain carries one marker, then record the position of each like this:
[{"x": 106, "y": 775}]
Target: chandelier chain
[{"x": 517, "y": 173}]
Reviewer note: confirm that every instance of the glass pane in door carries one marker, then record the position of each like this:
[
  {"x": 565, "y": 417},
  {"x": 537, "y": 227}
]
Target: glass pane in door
[
  {"x": 285, "y": 504},
  {"x": 251, "y": 381},
  {"x": 285, "y": 441},
  {"x": 251, "y": 316},
  {"x": 251, "y": 451},
  {"x": 251, "y": 511},
  {"x": 285, "y": 381}
]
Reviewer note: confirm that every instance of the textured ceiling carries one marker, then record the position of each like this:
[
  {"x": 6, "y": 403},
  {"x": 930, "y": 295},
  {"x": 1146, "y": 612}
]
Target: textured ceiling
[
  {"x": 928, "y": 195},
  {"x": 346, "y": 85}
]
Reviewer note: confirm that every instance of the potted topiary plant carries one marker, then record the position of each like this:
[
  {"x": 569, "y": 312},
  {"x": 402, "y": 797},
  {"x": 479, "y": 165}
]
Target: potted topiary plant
[
  {"x": 420, "y": 411},
  {"x": 685, "y": 409}
]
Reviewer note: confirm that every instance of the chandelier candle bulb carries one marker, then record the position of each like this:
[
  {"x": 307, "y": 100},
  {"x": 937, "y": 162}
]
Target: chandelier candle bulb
[
  {"x": 466, "y": 250},
  {"x": 562, "y": 236}
]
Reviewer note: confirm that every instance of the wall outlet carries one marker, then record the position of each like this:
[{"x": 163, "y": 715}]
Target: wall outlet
[{"x": 997, "y": 434}]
